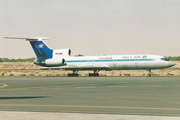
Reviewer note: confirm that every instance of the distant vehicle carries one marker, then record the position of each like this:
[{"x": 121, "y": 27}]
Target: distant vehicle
[{"x": 61, "y": 60}]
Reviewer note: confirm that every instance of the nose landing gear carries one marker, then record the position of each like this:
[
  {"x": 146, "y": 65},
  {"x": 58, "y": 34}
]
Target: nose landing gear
[{"x": 149, "y": 74}]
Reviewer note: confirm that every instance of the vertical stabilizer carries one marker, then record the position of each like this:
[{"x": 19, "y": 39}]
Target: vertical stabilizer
[{"x": 41, "y": 50}]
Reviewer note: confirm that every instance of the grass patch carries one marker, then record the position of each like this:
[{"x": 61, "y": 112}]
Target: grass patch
[
  {"x": 11, "y": 75},
  {"x": 155, "y": 75},
  {"x": 169, "y": 74},
  {"x": 31, "y": 75},
  {"x": 22, "y": 75},
  {"x": 127, "y": 74}
]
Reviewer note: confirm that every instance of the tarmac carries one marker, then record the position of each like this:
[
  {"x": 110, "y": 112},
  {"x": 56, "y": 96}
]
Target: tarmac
[{"x": 90, "y": 98}]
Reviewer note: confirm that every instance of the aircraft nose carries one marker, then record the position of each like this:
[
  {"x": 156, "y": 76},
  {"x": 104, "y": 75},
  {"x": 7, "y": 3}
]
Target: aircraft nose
[{"x": 171, "y": 63}]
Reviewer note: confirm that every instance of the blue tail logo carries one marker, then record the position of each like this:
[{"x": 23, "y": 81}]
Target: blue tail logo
[{"x": 41, "y": 45}]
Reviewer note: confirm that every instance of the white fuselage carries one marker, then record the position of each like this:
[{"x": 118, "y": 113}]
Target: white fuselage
[{"x": 122, "y": 62}]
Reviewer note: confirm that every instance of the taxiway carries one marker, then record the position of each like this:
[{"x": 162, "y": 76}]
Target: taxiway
[{"x": 107, "y": 95}]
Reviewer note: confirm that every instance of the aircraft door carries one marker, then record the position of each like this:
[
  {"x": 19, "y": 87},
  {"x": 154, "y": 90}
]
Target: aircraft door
[
  {"x": 115, "y": 62},
  {"x": 136, "y": 63}
]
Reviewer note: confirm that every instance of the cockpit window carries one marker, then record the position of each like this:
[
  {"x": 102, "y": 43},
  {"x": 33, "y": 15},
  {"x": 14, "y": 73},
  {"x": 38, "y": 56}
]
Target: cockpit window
[{"x": 164, "y": 59}]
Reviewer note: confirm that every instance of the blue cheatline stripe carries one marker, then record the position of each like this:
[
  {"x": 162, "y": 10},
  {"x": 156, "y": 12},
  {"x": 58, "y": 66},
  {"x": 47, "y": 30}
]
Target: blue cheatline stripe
[{"x": 112, "y": 60}]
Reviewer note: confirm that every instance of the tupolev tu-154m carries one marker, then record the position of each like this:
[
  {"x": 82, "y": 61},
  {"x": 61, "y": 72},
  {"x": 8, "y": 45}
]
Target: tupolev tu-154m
[{"x": 61, "y": 60}]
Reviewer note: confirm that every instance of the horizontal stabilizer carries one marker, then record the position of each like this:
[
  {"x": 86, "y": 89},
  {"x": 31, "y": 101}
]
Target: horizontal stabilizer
[{"x": 29, "y": 38}]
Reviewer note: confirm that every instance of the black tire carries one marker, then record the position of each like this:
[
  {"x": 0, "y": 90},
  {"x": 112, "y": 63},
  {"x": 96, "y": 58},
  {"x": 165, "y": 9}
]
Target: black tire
[
  {"x": 149, "y": 75},
  {"x": 72, "y": 75},
  {"x": 93, "y": 74}
]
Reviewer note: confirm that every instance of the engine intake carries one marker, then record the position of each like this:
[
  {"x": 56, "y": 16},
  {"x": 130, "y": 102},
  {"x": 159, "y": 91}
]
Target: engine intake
[{"x": 61, "y": 52}]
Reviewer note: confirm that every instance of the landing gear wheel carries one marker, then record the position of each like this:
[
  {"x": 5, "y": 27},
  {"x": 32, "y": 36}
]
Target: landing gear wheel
[
  {"x": 72, "y": 75},
  {"x": 93, "y": 74},
  {"x": 149, "y": 75}
]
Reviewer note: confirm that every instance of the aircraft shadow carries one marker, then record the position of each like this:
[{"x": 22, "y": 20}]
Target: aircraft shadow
[{"x": 25, "y": 97}]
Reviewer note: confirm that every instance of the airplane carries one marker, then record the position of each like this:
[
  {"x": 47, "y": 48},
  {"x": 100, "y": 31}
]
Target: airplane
[{"x": 61, "y": 60}]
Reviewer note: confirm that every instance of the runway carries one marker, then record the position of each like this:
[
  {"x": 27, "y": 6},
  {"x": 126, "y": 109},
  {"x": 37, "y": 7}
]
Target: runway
[{"x": 100, "y": 95}]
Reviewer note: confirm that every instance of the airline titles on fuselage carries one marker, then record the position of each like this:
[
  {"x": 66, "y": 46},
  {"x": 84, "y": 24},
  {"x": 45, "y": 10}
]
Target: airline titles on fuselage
[
  {"x": 123, "y": 57},
  {"x": 131, "y": 57},
  {"x": 105, "y": 58}
]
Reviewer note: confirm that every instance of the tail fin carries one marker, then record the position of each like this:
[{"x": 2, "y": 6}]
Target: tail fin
[{"x": 41, "y": 50}]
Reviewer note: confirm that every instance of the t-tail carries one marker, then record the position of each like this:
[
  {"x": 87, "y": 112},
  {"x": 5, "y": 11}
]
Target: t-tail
[
  {"x": 45, "y": 55},
  {"x": 41, "y": 50}
]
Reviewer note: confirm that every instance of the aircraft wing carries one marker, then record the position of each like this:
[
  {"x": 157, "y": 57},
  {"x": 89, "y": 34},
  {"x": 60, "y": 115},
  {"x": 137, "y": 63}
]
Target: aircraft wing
[{"x": 88, "y": 67}]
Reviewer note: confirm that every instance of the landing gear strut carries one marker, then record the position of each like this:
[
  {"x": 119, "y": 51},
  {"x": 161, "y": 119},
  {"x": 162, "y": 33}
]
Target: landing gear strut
[
  {"x": 94, "y": 74},
  {"x": 149, "y": 74},
  {"x": 74, "y": 74}
]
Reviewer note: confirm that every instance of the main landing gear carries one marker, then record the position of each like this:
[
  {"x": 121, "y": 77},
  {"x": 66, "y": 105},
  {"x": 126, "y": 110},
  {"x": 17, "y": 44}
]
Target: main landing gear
[
  {"x": 74, "y": 74},
  {"x": 94, "y": 74},
  {"x": 149, "y": 74}
]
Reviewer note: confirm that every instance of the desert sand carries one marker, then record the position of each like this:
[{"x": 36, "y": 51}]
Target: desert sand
[{"x": 14, "y": 69}]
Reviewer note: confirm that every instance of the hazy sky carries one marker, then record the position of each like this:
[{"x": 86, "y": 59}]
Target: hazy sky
[{"x": 92, "y": 27}]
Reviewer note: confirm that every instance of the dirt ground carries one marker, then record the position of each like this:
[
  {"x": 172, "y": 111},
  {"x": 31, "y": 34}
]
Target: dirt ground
[{"x": 13, "y": 69}]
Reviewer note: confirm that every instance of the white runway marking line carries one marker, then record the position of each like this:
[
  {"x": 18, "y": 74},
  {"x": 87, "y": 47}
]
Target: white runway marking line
[
  {"x": 117, "y": 86},
  {"x": 83, "y": 87},
  {"x": 3, "y": 85},
  {"x": 151, "y": 86}
]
